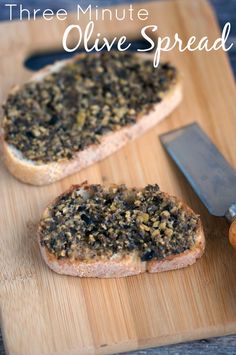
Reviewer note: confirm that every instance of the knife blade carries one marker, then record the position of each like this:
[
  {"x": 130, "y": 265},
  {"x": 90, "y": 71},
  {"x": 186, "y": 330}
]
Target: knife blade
[{"x": 211, "y": 176}]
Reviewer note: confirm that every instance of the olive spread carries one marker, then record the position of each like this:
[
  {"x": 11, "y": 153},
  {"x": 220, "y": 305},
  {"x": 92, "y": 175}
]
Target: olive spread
[
  {"x": 103, "y": 222},
  {"x": 53, "y": 118}
]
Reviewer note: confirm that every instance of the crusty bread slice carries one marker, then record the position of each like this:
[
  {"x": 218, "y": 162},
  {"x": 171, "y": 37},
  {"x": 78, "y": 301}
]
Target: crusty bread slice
[
  {"x": 29, "y": 172},
  {"x": 120, "y": 265}
]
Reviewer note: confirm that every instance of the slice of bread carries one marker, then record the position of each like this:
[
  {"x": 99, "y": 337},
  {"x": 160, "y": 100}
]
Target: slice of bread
[
  {"x": 36, "y": 173},
  {"x": 134, "y": 230}
]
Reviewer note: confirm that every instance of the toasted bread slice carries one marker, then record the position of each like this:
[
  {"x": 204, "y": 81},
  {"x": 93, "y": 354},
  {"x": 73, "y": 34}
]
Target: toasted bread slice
[
  {"x": 86, "y": 260},
  {"x": 34, "y": 173}
]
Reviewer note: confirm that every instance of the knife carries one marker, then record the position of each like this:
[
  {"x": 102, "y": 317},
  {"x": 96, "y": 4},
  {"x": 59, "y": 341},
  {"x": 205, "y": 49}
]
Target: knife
[{"x": 207, "y": 171}]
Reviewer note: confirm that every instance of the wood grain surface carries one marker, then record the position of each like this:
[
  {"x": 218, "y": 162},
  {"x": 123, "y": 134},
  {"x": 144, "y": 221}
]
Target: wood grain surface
[{"x": 71, "y": 316}]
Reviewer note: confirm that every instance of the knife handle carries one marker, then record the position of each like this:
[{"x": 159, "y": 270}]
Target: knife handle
[
  {"x": 232, "y": 233},
  {"x": 231, "y": 217}
]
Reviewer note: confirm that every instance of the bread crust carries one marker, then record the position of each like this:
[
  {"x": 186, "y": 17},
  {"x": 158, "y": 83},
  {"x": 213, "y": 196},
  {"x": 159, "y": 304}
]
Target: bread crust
[
  {"x": 31, "y": 173},
  {"x": 120, "y": 265}
]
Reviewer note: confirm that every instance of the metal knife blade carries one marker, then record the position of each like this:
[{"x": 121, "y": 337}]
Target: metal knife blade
[{"x": 210, "y": 175}]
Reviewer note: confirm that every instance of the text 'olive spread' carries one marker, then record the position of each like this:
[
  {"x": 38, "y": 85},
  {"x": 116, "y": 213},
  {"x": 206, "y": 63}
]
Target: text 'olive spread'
[
  {"x": 68, "y": 110},
  {"x": 105, "y": 221}
]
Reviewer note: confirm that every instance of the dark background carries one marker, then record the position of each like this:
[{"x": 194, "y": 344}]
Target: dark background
[{"x": 225, "y": 11}]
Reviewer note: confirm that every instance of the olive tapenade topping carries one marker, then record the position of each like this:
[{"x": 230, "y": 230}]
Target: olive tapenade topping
[
  {"x": 67, "y": 111},
  {"x": 107, "y": 221}
]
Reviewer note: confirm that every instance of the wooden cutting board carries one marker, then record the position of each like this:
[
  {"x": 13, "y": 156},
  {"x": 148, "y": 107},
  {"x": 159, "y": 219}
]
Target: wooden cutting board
[{"x": 44, "y": 313}]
